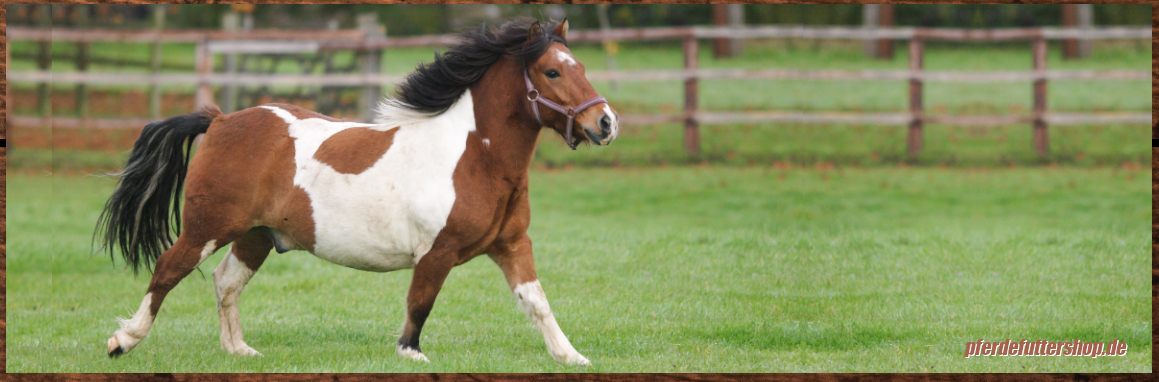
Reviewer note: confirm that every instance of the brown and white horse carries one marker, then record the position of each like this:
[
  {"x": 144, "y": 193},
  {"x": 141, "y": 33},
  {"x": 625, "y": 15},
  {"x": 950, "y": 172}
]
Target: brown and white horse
[{"x": 439, "y": 179}]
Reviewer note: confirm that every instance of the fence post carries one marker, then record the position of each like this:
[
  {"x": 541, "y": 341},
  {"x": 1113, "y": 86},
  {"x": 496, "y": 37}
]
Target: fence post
[
  {"x": 44, "y": 63},
  {"x": 7, "y": 100},
  {"x": 230, "y": 22},
  {"x": 1085, "y": 14},
  {"x": 1040, "y": 138},
  {"x": 204, "y": 70},
  {"x": 914, "y": 138},
  {"x": 885, "y": 45},
  {"x": 154, "y": 89},
  {"x": 82, "y": 64},
  {"x": 368, "y": 23},
  {"x": 1070, "y": 46},
  {"x": 730, "y": 15},
  {"x": 691, "y": 132},
  {"x": 610, "y": 46}
]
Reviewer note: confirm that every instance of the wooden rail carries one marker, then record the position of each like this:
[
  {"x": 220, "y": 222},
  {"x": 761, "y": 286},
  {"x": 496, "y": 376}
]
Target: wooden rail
[
  {"x": 35, "y": 76},
  {"x": 714, "y": 117},
  {"x": 282, "y": 41}
]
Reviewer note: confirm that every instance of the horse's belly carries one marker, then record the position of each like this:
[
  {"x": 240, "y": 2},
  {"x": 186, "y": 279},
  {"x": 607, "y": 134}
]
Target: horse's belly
[
  {"x": 367, "y": 259},
  {"x": 368, "y": 222}
]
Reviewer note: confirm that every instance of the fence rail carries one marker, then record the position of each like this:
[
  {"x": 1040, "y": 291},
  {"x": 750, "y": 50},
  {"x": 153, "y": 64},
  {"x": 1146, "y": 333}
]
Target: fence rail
[
  {"x": 619, "y": 76},
  {"x": 282, "y": 41},
  {"x": 706, "y": 117}
]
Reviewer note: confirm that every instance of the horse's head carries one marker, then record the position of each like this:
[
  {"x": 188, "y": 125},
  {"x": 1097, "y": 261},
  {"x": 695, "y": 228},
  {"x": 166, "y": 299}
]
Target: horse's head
[{"x": 556, "y": 80}]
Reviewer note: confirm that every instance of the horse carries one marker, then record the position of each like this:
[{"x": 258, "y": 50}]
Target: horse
[{"x": 439, "y": 178}]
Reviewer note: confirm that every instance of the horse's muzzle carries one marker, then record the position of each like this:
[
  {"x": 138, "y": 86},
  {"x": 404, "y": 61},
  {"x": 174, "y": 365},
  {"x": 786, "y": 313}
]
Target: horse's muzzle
[{"x": 608, "y": 128}]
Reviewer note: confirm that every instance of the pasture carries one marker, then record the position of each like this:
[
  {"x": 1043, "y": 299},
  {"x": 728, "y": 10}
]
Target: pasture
[{"x": 679, "y": 269}]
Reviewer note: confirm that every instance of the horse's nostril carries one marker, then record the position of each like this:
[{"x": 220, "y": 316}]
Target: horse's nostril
[{"x": 606, "y": 124}]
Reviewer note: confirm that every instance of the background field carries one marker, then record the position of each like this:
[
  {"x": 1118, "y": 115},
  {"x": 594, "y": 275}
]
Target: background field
[{"x": 756, "y": 269}]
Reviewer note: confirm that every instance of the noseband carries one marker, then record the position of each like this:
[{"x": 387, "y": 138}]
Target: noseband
[{"x": 533, "y": 96}]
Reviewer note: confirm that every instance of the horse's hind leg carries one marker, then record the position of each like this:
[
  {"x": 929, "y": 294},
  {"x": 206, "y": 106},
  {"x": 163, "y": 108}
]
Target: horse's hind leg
[
  {"x": 244, "y": 258},
  {"x": 172, "y": 266}
]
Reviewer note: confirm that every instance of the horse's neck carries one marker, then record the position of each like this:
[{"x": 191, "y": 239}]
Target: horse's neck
[{"x": 501, "y": 118}]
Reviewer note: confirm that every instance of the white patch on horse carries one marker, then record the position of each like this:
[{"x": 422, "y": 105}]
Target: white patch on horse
[
  {"x": 564, "y": 57},
  {"x": 534, "y": 303},
  {"x": 229, "y": 279},
  {"x": 210, "y": 247},
  {"x": 412, "y": 354},
  {"x": 135, "y": 329},
  {"x": 386, "y": 217},
  {"x": 487, "y": 142}
]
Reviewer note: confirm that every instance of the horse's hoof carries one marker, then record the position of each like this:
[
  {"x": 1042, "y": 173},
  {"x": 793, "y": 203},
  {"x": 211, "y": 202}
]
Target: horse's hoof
[
  {"x": 246, "y": 351},
  {"x": 574, "y": 359},
  {"x": 412, "y": 354},
  {"x": 115, "y": 348},
  {"x": 579, "y": 361}
]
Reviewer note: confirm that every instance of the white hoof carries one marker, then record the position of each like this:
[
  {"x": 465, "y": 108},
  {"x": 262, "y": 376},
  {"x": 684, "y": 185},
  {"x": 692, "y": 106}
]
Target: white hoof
[
  {"x": 244, "y": 350},
  {"x": 121, "y": 343},
  {"x": 574, "y": 359},
  {"x": 412, "y": 354},
  {"x": 115, "y": 347}
]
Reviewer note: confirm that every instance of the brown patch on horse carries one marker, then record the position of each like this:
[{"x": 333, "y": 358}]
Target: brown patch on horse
[
  {"x": 301, "y": 113},
  {"x": 354, "y": 150},
  {"x": 247, "y": 187},
  {"x": 491, "y": 209}
]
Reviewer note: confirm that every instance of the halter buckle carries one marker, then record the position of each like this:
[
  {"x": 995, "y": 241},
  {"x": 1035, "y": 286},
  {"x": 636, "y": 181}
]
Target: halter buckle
[
  {"x": 570, "y": 112},
  {"x": 530, "y": 92}
]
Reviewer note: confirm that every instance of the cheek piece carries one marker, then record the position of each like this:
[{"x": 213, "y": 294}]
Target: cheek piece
[{"x": 533, "y": 96}]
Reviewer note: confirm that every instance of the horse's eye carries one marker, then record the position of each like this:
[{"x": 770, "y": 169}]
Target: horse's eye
[{"x": 552, "y": 74}]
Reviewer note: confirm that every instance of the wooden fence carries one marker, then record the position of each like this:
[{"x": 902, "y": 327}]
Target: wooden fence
[{"x": 211, "y": 42}]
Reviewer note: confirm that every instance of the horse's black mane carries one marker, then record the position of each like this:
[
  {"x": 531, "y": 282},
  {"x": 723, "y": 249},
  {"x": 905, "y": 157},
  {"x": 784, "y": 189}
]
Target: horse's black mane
[{"x": 434, "y": 87}]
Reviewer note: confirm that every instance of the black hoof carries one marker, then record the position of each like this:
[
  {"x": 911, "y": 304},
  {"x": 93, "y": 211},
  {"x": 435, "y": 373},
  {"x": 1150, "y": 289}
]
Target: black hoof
[{"x": 116, "y": 352}]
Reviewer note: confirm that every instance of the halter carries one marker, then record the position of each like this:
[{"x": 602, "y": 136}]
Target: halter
[{"x": 533, "y": 96}]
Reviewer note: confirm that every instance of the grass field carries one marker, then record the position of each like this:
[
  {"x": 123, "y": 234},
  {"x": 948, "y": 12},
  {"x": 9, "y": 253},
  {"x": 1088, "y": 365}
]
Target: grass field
[
  {"x": 738, "y": 145},
  {"x": 713, "y": 269}
]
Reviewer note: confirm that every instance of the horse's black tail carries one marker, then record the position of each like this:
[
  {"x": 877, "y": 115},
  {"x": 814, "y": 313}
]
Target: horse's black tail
[{"x": 144, "y": 213}]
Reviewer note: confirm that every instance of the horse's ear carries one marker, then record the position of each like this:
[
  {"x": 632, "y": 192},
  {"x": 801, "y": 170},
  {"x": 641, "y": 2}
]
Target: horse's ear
[
  {"x": 561, "y": 29},
  {"x": 534, "y": 31}
]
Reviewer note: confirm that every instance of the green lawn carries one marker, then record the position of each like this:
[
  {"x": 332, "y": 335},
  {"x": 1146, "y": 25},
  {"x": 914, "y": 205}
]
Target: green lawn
[{"x": 705, "y": 269}]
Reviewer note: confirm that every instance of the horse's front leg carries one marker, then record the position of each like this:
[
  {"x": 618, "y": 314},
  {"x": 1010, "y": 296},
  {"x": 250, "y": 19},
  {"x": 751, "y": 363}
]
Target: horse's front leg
[
  {"x": 429, "y": 274},
  {"x": 515, "y": 258}
]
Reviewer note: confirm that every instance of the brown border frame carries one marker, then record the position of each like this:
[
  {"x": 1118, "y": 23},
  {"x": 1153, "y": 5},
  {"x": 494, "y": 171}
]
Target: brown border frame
[{"x": 440, "y": 377}]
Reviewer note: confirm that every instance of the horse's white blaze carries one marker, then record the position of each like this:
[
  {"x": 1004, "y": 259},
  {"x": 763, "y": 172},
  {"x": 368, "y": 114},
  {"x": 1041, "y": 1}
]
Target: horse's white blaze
[
  {"x": 208, "y": 250},
  {"x": 412, "y": 354},
  {"x": 564, "y": 57},
  {"x": 534, "y": 303},
  {"x": 386, "y": 217},
  {"x": 229, "y": 279},
  {"x": 135, "y": 329}
]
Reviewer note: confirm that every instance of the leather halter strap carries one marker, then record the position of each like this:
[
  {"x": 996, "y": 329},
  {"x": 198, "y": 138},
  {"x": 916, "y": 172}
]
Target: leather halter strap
[{"x": 570, "y": 112}]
